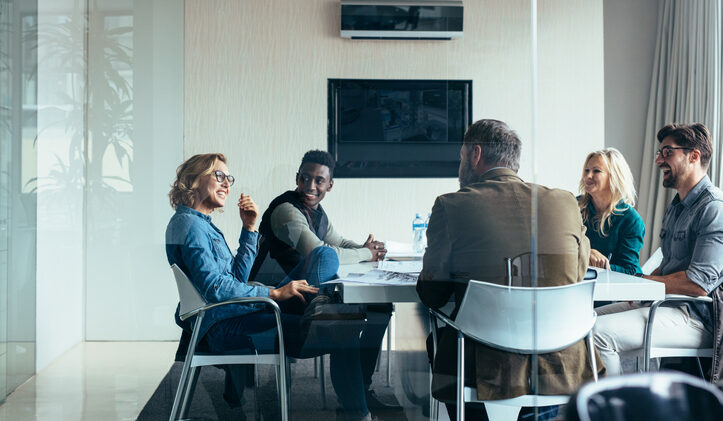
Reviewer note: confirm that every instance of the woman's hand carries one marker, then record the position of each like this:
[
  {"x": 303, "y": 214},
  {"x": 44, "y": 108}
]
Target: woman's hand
[
  {"x": 248, "y": 211},
  {"x": 598, "y": 260},
  {"x": 292, "y": 289}
]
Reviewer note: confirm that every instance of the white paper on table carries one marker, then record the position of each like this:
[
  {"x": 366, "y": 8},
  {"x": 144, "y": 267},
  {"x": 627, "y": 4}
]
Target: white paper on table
[
  {"x": 396, "y": 249},
  {"x": 409, "y": 266},
  {"x": 382, "y": 277}
]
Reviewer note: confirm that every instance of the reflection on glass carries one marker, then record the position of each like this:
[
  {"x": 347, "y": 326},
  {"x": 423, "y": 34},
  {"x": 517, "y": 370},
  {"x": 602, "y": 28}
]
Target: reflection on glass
[
  {"x": 18, "y": 104},
  {"x": 135, "y": 132},
  {"x": 110, "y": 154},
  {"x": 5, "y": 139}
]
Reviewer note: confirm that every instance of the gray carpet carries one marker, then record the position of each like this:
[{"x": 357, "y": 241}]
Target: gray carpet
[
  {"x": 261, "y": 403},
  {"x": 410, "y": 383}
]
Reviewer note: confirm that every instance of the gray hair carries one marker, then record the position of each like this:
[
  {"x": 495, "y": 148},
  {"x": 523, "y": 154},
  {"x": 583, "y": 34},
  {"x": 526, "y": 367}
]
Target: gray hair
[{"x": 500, "y": 145}]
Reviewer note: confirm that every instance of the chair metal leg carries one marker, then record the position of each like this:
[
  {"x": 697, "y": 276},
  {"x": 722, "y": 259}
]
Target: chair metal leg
[
  {"x": 181, "y": 387},
  {"x": 591, "y": 351},
  {"x": 186, "y": 367},
  {"x": 188, "y": 393},
  {"x": 460, "y": 376},
  {"x": 389, "y": 351},
  {"x": 322, "y": 383},
  {"x": 283, "y": 382},
  {"x": 648, "y": 335},
  {"x": 700, "y": 368},
  {"x": 433, "y": 403},
  {"x": 257, "y": 408}
]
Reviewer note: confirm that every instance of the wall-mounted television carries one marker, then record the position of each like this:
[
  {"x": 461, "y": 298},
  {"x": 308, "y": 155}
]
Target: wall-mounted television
[{"x": 397, "y": 128}]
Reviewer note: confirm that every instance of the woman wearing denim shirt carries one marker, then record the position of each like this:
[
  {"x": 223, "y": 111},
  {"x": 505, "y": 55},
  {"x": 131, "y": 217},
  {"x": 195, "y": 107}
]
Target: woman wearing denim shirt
[
  {"x": 200, "y": 250},
  {"x": 614, "y": 228}
]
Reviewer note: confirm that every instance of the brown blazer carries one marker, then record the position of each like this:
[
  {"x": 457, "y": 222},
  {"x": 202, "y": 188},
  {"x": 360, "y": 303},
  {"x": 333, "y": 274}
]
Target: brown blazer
[{"x": 470, "y": 233}]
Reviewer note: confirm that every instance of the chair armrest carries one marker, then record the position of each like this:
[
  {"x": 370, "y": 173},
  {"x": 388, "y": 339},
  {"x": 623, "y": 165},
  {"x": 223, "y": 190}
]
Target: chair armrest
[
  {"x": 669, "y": 298},
  {"x": 259, "y": 284},
  {"x": 680, "y": 297},
  {"x": 240, "y": 300},
  {"x": 201, "y": 312}
]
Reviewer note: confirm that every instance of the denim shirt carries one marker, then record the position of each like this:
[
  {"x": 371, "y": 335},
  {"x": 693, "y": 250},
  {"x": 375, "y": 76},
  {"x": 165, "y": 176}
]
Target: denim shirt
[
  {"x": 692, "y": 240},
  {"x": 199, "y": 249}
]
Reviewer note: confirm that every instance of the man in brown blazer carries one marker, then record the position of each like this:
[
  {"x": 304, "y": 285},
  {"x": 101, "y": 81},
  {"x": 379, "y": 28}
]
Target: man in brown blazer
[{"x": 471, "y": 232}]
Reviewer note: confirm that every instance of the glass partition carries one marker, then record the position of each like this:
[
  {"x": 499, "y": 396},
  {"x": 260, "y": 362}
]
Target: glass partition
[
  {"x": 159, "y": 81},
  {"x": 135, "y": 143},
  {"x": 18, "y": 105}
]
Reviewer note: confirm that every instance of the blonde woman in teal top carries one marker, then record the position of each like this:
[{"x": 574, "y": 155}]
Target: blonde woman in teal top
[{"x": 607, "y": 198}]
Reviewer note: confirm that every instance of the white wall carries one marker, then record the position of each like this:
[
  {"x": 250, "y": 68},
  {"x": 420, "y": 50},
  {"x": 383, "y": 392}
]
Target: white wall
[
  {"x": 255, "y": 88},
  {"x": 630, "y": 29},
  {"x": 60, "y": 120}
]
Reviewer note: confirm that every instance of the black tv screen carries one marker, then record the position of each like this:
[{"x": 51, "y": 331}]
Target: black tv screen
[{"x": 398, "y": 128}]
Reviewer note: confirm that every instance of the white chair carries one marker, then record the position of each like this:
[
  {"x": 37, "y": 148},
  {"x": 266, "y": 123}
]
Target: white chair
[
  {"x": 193, "y": 304},
  {"x": 650, "y": 351},
  {"x": 522, "y": 320}
]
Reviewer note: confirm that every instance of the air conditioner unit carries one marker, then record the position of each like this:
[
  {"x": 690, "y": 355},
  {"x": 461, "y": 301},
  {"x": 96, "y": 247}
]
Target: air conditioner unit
[{"x": 365, "y": 19}]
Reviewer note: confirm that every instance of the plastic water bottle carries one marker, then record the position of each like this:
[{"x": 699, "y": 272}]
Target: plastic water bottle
[
  {"x": 418, "y": 229},
  {"x": 426, "y": 225}
]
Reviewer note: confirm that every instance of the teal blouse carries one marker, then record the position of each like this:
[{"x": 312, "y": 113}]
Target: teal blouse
[{"x": 623, "y": 241}]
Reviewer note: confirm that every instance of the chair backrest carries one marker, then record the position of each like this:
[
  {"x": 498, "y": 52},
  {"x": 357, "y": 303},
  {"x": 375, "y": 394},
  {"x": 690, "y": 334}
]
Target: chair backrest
[
  {"x": 527, "y": 320},
  {"x": 653, "y": 262},
  {"x": 652, "y": 396},
  {"x": 190, "y": 299}
]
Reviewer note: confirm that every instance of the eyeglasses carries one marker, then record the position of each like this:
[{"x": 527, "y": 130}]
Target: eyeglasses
[
  {"x": 667, "y": 151},
  {"x": 220, "y": 177}
]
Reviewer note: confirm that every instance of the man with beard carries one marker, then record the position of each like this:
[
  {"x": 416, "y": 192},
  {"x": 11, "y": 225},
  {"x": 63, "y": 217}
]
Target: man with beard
[
  {"x": 470, "y": 233},
  {"x": 692, "y": 244},
  {"x": 295, "y": 224}
]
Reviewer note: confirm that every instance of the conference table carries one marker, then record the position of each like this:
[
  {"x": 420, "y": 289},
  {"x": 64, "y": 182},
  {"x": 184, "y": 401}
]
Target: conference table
[{"x": 609, "y": 286}]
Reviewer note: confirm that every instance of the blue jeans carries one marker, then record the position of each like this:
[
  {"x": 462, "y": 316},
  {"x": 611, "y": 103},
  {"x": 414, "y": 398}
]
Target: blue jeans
[{"x": 260, "y": 327}]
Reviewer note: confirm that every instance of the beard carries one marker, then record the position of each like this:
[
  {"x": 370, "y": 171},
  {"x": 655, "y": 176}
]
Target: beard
[
  {"x": 467, "y": 175},
  {"x": 671, "y": 182}
]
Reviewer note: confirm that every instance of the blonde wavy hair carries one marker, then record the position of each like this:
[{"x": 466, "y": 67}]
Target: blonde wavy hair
[
  {"x": 188, "y": 175},
  {"x": 622, "y": 188}
]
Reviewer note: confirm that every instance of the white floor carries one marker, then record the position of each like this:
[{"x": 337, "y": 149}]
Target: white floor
[{"x": 93, "y": 381}]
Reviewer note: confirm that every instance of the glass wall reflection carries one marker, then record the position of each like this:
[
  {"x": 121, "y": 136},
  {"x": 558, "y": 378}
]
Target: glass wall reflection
[
  {"x": 135, "y": 142},
  {"x": 18, "y": 130}
]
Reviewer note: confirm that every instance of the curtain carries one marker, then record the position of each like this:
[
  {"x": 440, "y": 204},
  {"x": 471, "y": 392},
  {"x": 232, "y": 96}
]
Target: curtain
[{"x": 685, "y": 88}]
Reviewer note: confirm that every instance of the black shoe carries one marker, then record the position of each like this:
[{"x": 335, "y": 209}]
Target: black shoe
[{"x": 376, "y": 406}]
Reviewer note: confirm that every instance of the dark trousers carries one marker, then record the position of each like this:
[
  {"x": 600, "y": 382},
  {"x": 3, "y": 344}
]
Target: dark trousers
[{"x": 351, "y": 362}]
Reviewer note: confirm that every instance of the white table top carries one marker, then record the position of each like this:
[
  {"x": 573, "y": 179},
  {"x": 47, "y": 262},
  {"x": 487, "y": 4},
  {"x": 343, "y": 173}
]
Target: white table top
[{"x": 610, "y": 286}]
